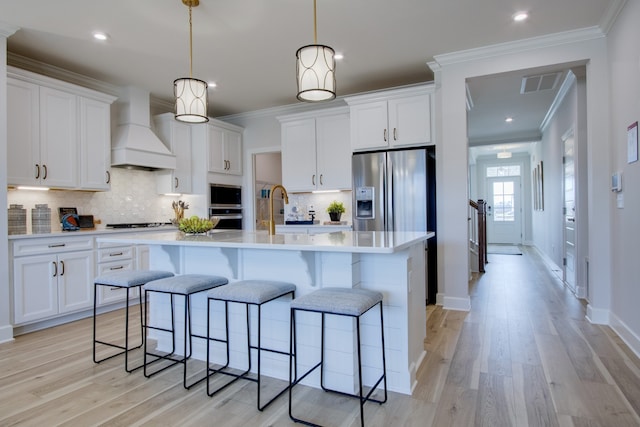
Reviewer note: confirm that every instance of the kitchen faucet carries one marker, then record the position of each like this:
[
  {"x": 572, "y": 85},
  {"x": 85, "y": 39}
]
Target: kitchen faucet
[{"x": 272, "y": 223}]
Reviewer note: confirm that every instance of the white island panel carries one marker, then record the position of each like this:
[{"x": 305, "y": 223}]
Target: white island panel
[{"x": 392, "y": 263}]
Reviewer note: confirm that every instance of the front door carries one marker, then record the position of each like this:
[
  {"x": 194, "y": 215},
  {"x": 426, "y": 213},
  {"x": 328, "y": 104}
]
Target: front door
[
  {"x": 503, "y": 211},
  {"x": 569, "y": 213}
]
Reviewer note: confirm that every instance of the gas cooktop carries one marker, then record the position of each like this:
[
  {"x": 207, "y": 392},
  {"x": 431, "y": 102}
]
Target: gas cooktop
[{"x": 137, "y": 224}]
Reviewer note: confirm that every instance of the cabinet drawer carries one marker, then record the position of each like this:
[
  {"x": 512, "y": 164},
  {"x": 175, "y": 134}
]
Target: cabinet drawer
[
  {"x": 110, "y": 267},
  {"x": 111, "y": 294},
  {"x": 51, "y": 245},
  {"x": 115, "y": 254}
]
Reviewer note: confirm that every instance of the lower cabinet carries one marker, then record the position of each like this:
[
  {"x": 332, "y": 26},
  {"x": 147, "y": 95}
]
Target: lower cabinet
[
  {"x": 52, "y": 284},
  {"x": 118, "y": 258}
]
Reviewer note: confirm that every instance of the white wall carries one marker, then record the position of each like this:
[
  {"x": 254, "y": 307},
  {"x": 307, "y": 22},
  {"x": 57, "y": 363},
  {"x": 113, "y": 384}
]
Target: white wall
[{"x": 625, "y": 229}]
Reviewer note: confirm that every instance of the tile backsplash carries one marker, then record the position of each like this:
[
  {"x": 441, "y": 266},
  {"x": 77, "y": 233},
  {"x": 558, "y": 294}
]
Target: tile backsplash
[
  {"x": 303, "y": 201},
  {"x": 133, "y": 198}
]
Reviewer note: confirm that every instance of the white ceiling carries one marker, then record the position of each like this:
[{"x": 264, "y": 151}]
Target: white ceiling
[{"x": 248, "y": 46}]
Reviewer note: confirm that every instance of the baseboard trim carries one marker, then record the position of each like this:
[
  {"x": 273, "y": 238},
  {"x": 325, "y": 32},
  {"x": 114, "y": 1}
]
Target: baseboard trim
[
  {"x": 440, "y": 299},
  {"x": 6, "y": 334},
  {"x": 626, "y": 334},
  {"x": 598, "y": 316},
  {"x": 455, "y": 303}
]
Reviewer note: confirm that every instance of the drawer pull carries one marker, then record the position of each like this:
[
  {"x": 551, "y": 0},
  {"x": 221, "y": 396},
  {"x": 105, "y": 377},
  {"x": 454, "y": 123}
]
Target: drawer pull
[
  {"x": 114, "y": 288},
  {"x": 120, "y": 267},
  {"x": 116, "y": 254},
  {"x": 57, "y": 245}
]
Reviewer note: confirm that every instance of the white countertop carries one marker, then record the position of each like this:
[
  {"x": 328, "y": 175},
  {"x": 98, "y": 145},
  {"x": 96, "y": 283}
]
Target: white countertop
[
  {"x": 340, "y": 241},
  {"x": 91, "y": 232}
]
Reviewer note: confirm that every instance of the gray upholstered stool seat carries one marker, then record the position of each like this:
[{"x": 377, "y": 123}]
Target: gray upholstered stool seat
[
  {"x": 351, "y": 302},
  {"x": 186, "y": 286},
  {"x": 245, "y": 292},
  {"x": 125, "y": 279},
  {"x": 344, "y": 301},
  {"x": 251, "y": 291}
]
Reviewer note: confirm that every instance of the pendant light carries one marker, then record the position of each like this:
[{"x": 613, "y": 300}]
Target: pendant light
[
  {"x": 315, "y": 69},
  {"x": 504, "y": 154},
  {"x": 191, "y": 94}
]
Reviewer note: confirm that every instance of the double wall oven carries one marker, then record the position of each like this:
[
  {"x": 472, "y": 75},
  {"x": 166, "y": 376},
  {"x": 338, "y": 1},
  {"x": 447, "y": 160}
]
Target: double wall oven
[{"x": 226, "y": 204}]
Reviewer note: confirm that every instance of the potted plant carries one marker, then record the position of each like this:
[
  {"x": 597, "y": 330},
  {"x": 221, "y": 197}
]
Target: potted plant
[{"x": 335, "y": 209}]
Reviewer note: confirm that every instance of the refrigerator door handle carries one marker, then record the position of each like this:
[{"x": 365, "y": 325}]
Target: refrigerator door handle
[
  {"x": 383, "y": 193},
  {"x": 389, "y": 203}
]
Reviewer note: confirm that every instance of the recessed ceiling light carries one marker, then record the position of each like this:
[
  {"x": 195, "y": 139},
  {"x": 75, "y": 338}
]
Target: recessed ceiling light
[
  {"x": 212, "y": 84},
  {"x": 338, "y": 56},
  {"x": 99, "y": 35},
  {"x": 520, "y": 16},
  {"x": 508, "y": 119}
]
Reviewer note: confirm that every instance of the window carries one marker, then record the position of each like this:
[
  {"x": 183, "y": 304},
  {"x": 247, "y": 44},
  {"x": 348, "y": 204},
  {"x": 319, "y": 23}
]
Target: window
[
  {"x": 507, "y": 170},
  {"x": 503, "y": 201}
]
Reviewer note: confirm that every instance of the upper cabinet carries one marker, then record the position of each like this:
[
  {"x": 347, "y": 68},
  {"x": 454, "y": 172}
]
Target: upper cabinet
[
  {"x": 316, "y": 153},
  {"x": 225, "y": 150},
  {"x": 177, "y": 137},
  {"x": 59, "y": 134},
  {"x": 394, "y": 118}
]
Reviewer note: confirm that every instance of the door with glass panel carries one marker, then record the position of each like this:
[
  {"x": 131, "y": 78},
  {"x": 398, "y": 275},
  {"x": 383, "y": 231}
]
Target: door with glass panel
[{"x": 504, "y": 212}]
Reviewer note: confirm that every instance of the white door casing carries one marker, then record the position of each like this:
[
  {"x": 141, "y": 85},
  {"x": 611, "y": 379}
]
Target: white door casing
[{"x": 569, "y": 211}]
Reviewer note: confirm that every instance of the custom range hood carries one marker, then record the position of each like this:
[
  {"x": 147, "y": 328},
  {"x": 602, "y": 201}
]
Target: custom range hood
[{"x": 134, "y": 144}]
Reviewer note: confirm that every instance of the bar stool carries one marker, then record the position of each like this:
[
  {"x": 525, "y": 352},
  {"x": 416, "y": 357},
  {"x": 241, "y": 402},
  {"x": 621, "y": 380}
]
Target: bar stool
[
  {"x": 247, "y": 292},
  {"x": 339, "y": 302},
  {"x": 127, "y": 279},
  {"x": 185, "y": 285}
]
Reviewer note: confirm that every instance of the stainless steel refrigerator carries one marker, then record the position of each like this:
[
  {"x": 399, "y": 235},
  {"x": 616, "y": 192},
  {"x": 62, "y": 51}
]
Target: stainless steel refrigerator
[{"x": 395, "y": 191}]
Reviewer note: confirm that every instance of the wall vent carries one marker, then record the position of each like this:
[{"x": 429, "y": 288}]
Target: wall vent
[{"x": 540, "y": 82}]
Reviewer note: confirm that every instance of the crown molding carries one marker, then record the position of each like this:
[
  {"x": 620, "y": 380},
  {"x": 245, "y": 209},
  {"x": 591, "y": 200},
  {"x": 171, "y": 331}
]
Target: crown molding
[
  {"x": 567, "y": 83},
  {"x": 7, "y": 30},
  {"x": 519, "y": 46},
  {"x": 610, "y": 16}
]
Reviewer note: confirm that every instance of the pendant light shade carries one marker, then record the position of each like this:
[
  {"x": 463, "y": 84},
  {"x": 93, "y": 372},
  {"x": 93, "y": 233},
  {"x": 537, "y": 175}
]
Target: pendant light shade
[
  {"x": 191, "y": 100},
  {"x": 315, "y": 69},
  {"x": 190, "y": 94}
]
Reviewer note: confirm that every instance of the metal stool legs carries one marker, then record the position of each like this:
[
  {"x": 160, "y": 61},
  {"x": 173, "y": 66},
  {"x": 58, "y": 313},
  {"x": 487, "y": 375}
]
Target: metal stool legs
[
  {"x": 125, "y": 349},
  {"x": 294, "y": 379}
]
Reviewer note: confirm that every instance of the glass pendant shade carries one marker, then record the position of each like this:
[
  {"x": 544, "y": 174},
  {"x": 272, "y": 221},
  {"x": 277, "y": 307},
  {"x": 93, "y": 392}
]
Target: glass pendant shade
[
  {"x": 191, "y": 100},
  {"x": 315, "y": 69}
]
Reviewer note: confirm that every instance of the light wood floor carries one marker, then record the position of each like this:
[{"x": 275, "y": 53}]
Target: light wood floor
[{"x": 523, "y": 356}]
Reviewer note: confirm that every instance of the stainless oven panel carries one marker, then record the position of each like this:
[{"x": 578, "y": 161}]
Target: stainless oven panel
[{"x": 230, "y": 218}]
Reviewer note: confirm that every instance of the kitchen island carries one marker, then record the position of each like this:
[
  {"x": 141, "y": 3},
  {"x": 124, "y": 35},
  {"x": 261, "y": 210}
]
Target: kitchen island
[{"x": 390, "y": 262}]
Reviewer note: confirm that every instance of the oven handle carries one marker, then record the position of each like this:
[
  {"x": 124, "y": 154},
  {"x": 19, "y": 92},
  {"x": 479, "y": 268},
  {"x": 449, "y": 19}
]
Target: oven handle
[{"x": 228, "y": 216}]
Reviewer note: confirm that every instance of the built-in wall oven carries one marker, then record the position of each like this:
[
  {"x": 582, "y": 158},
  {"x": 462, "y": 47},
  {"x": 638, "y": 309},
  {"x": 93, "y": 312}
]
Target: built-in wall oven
[{"x": 226, "y": 204}]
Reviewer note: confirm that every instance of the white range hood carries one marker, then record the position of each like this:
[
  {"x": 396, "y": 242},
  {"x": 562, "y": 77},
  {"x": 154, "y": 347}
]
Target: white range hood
[{"x": 134, "y": 144}]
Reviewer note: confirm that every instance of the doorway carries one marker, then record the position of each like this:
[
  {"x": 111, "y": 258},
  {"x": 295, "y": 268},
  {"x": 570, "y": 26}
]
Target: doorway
[
  {"x": 504, "y": 204},
  {"x": 267, "y": 172}
]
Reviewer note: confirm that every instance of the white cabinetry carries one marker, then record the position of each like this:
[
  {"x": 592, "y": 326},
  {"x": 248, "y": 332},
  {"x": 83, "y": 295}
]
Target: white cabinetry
[
  {"x": 58, "y": 133},
  {"x": 52, "y": 276},
  {"x": 395, "y": 118},
  {"x": 225, "y": 150},
  {"x": 316, "y": 153},
  {"x": 112, "y": 258},
  {"x": 177, "y": 137}
]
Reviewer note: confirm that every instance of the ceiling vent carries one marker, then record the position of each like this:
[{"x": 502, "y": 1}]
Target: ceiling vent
[{"x": 539, "y": 83}]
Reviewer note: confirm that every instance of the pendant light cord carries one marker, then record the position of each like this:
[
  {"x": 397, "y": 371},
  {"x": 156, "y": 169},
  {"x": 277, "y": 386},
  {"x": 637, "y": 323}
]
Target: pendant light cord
[
  {"x": 191, "y": 46},
  {"x": 315, "y": 25}
]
